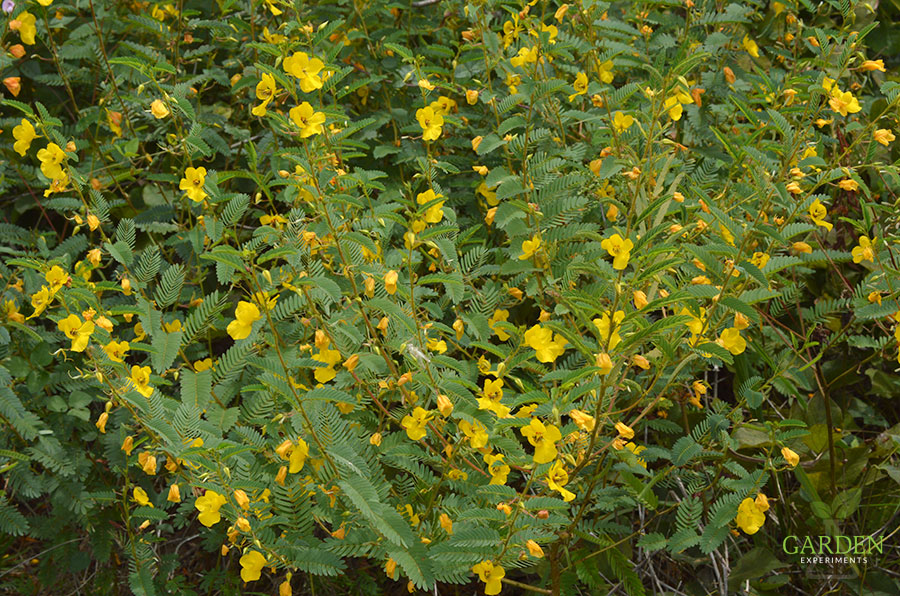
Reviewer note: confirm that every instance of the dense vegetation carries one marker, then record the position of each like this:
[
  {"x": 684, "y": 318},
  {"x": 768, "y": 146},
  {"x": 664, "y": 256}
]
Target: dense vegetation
[{"x": 376, "y": 297}]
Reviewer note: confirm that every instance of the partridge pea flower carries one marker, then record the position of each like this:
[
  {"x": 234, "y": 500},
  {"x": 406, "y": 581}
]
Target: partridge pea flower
[
  {"x": 732, "y": 341},
  {"x": 245, "y": 315},
  {"x": 416, "y": 422},
  {"x": 76, "y": 330},
  {"x": 541, "y": 340},
  {"x": 818, "y": 213},
  {"x": 208, "y": 505},
  {"x": 750, "y": 517},
  {"x": 619, "y": 248},
  {"x": 430, "y": 122},
  {"x": 543, "y": 438},
  {"x": 251, "y": 566},
  {"x": 308, "y": 120},
  {"x": 529, "y": 247},
  {"x": 498, "y": 470},
  {"x": 23, "y": 133},
  {"x": 491, "y": 575},
  {"x": 865, "y": 251},
  {"x": 609, "y": 329},
  {"x": 51, "y": 158},
  {"x": 140, "y": 378},
  {"x": 305, "y": 69},
  {"x": 265, "y": 92},
  {"x": 192, "y": 183},
  {"x": 557, "y": 478}
]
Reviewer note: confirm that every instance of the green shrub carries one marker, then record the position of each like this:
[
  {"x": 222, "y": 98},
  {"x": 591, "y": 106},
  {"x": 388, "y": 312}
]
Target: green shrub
[{"x": 349, "y": 296}]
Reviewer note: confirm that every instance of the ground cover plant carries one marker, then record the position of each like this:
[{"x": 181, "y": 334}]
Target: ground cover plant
[{"x": 449, "y": 297}]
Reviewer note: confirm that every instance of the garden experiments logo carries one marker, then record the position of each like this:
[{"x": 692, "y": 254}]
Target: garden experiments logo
[{"x": 833, "y": 550}]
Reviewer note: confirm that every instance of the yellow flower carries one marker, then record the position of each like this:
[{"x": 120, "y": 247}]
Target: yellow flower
[
  {"x": 552, "y": 30},
  {"x": 525, "y": 56},
  {"x": 305, "y": 69},
  {"x": 497, "y": 469},
  {"x": 640, "y": 299},
  {"x": 490, "y": 196},
  {"x": 299, "y": 453},
  {"x": 582, "y": 420},
  {"x": 57, "y": 278},
  {"x": 416, "y": 422},
  {"x": 459, "y": 327},
  {"x": 101, "y": 422},
  {"x": 128, "y": 445},
  {"x": 78, "y": 332},
  {"x": 308, "y": 120},
  {"x": 270, "y": 4},
  {"x": 430, "y": 122},
  {"x": 208, "y": 505},
  {"x": 865, "y": 251},
  {"x": 732, "y": 341},
  {"x": 439, "y": 346},
  {"x": 673, "y": 107},
  {"x": 24, "y": 134},
  {"x": 475, "y": 432},
  {"x": 491, "y": 575},
  {"x": 492, "y": 394},
  {"x": 790, "y": 456},
  {"x": 499, "y": 315},
  {"x": 51, "y": 159},
  {"x": 547, "y": 348},
  {"x": 543, "y": 438},
  {"x": 330, "y": 358},
  {"x": 12, "y": 312},
  {"x": 245, "y": 315},
  {"x": 749, "y": 516},
  {"x": 140, "y": 378},
  {"x": 580, "y": 85},
  {"x": 882, "y": 135},
  {"x": 801, "y": 247},
  {"x": 817, "y": 213},
  {"x": 116, "y": 350},
  {"x": 529, "y": 247},
  {"x": 534, "y": 549},
  {"x": 604, "y": 363},
  {"x": 870, "y": 65},
  {"x": 635, "y": 449},
  {"x": 251, "y": 566},
  {"x": 390, "y": 281},
  {"x": 557, "y": 478},
  {"x": 192, "y": 183},
  {"x": 843, "y": 102},
  {"x": 625, "y": 431},
  {"x": 622, "y": 122},
  {"x": 610, "y": 330},
  {"x": 759, "y": 259},
  {"x": 147, "y": 463},
  {"x": 174, "y": 495},
  {"x": 265, "y": 92},
  {"x": 848, "y": 184},
  {"x": 139, "y": 496},
  {"x": 158, "y": 109},
  {"x": 762, "y": 502},
  {"x": 443, "y": 105},
  {"x": 435, "y": 213},
  {"x": 619, "y": 248},
  {"x": 25, "y": 27},
  {"x": 751, "y": 47},
  {"x": 605, "y": 71}
]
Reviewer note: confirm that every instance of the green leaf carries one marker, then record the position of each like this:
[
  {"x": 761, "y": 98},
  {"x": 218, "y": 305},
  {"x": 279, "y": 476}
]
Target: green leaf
[{"x": 165, "y": 348}]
